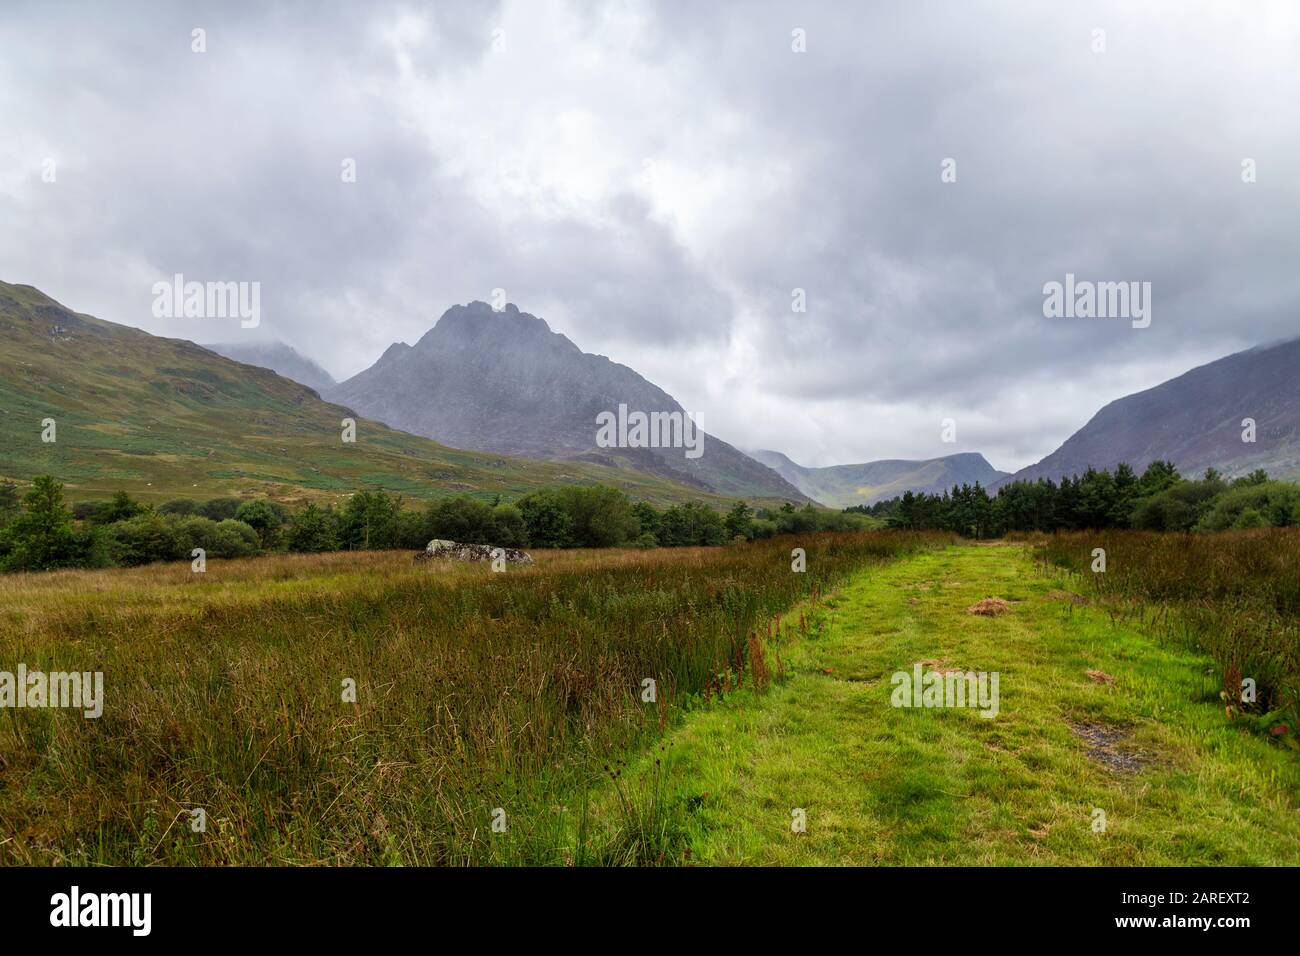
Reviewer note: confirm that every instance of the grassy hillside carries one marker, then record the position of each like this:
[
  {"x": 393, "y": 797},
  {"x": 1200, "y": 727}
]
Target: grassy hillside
[{"x": 163, "y": 418}]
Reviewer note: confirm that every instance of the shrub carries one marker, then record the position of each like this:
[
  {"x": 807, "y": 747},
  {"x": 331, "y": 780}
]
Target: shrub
[
  {"x": 1253, "y": 504},
  {"x": 313, "y": 529},
  {"x": 601, "y": 516},
  {"x": 118, "y": 508},
  {"x": 547, "y": 521},
  {"x": 218, "y": 539},
  {"x": 412, "y": 529},
  {"x": 9, "y": 502},
  {"x": 234, "y": 539},
  {"x": 691, "y": 524},
  {"x": 144, "y": 539},
  {"x": 262, "y": 518},
  {"x": 369, "y": 522},
  {"x": 219, "y": 509},
  {"x": 739, "y": 520},
  {"x": 462, "y": 519},
  {"x": 42, "y": 537},
  {"x": 509, "y": 528},
  {"x": 88, "y": 510}
]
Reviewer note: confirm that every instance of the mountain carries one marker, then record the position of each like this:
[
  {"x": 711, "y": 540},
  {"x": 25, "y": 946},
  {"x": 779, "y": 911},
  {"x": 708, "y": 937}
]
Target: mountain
[
  {"x": 279, "y": 358},
  {"x": 164, "y": 417},
  {"x": 842, "y": 486},
  {"x": 1195, "y": 421},
  {"x": 504, "y": 382}
]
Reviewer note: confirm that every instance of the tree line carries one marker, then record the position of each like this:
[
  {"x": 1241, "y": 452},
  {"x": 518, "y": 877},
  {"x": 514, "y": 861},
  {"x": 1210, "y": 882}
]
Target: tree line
[
  {"x": 40, "y": 531},
  {"x": 1159, "y": 499}
]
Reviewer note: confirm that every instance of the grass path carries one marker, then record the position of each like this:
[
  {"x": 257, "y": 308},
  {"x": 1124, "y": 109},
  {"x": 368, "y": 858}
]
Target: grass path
[{"x": 885, "y": 785}]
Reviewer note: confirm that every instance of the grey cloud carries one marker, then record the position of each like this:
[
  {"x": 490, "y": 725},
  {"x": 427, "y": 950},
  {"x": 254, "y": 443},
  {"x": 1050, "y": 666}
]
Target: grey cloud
[{"x": 921, "y": 295}]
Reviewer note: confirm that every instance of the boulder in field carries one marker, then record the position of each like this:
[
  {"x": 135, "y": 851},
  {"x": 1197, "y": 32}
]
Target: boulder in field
[{"x": 456, "y": 551}]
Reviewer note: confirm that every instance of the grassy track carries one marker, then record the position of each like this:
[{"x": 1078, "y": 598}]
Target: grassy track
[{"x": 881, "y": 785}]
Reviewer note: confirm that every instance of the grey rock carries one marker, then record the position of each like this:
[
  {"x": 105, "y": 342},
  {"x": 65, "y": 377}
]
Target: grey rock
[{"x": 455, "y": 551}]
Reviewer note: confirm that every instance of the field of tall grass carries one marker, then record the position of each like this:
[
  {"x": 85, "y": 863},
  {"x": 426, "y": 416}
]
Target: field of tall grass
[
  {"x": 477, "y": 694},
  {"x": 1234, "y": 595}
]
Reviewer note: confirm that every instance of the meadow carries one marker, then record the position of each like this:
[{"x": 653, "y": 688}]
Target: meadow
[
  {"x": 1235, "y": 596},
  {"x": 506, "y": 718},
  {"x": 1110, "y": 745},
  {"x": 480, "y": 697}
]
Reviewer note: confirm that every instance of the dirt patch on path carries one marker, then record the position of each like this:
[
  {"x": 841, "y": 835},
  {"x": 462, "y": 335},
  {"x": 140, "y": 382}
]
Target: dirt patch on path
[
  {"x": 1104, "y": 746},
  {"x": 989, "y": 607}
]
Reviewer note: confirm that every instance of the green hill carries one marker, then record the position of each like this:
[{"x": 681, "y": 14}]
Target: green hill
[{"x": 164, "y": 418}]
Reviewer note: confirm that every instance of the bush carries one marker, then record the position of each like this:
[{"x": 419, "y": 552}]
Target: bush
[
  {"x": 9, "y": 502},
  {"x": 601, "y": 517},
  {"x": 1162, "y": 512},
  {"x": 313, "y": 529},
  {"x": 262, "y": 518},
  {"x": 463, "y": 519},
  {"x": 412, "y": 529},
  {"x": 218, "y": 539},
  {"x": 1253, "y": 504},
  {"x": 691, "y": 524},
  {"x": 739, "y": 520},
  {"x": 145, "y": 539},
  {"x": 88, "y": 510},
  {"x": 42, "y": 537},
  {"x": 546, "y": 520},
  {"x": 183, "y": 507},
  {"x": 219, "y": 509},
  {"x": 509, "y": 528},
  {"x": 118, "y": 508},
  {"x": 803, "y": 521},
  {"x": 369, "y": 521},
  {"x": 233, "y": 539}
]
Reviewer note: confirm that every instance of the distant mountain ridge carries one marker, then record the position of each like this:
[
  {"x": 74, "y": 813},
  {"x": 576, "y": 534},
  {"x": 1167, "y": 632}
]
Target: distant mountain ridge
[
  {"x": 280, "y": 358},
  {"x": 164, "y": 418},
  {"x": 843, "y": 486},
  {"x": 1195, "y": 420},
  {"x": 505, "y": 382}
]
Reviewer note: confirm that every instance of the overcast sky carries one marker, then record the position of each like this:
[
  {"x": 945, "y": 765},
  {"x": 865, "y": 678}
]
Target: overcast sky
[{"x": 656, "y": 179}]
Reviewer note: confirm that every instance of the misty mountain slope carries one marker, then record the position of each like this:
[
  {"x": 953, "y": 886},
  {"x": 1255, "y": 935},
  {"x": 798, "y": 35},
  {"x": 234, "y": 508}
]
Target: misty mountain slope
[
  {"x": 1195, "y": 421},
  {"x": 504, "y": 382},
  {"x": 279, "y": 358},
  {"x": 164, "y": 418},
  {"x": 842, "y": 486}
]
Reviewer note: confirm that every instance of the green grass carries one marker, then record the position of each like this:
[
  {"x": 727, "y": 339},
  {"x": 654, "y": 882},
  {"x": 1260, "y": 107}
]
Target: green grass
[
  {"x": 522, "y": 691},
  {"x": 475, "y": 690},
  {"x": 887, "y": 786},
  {"x": 1234, "y": 595}
]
